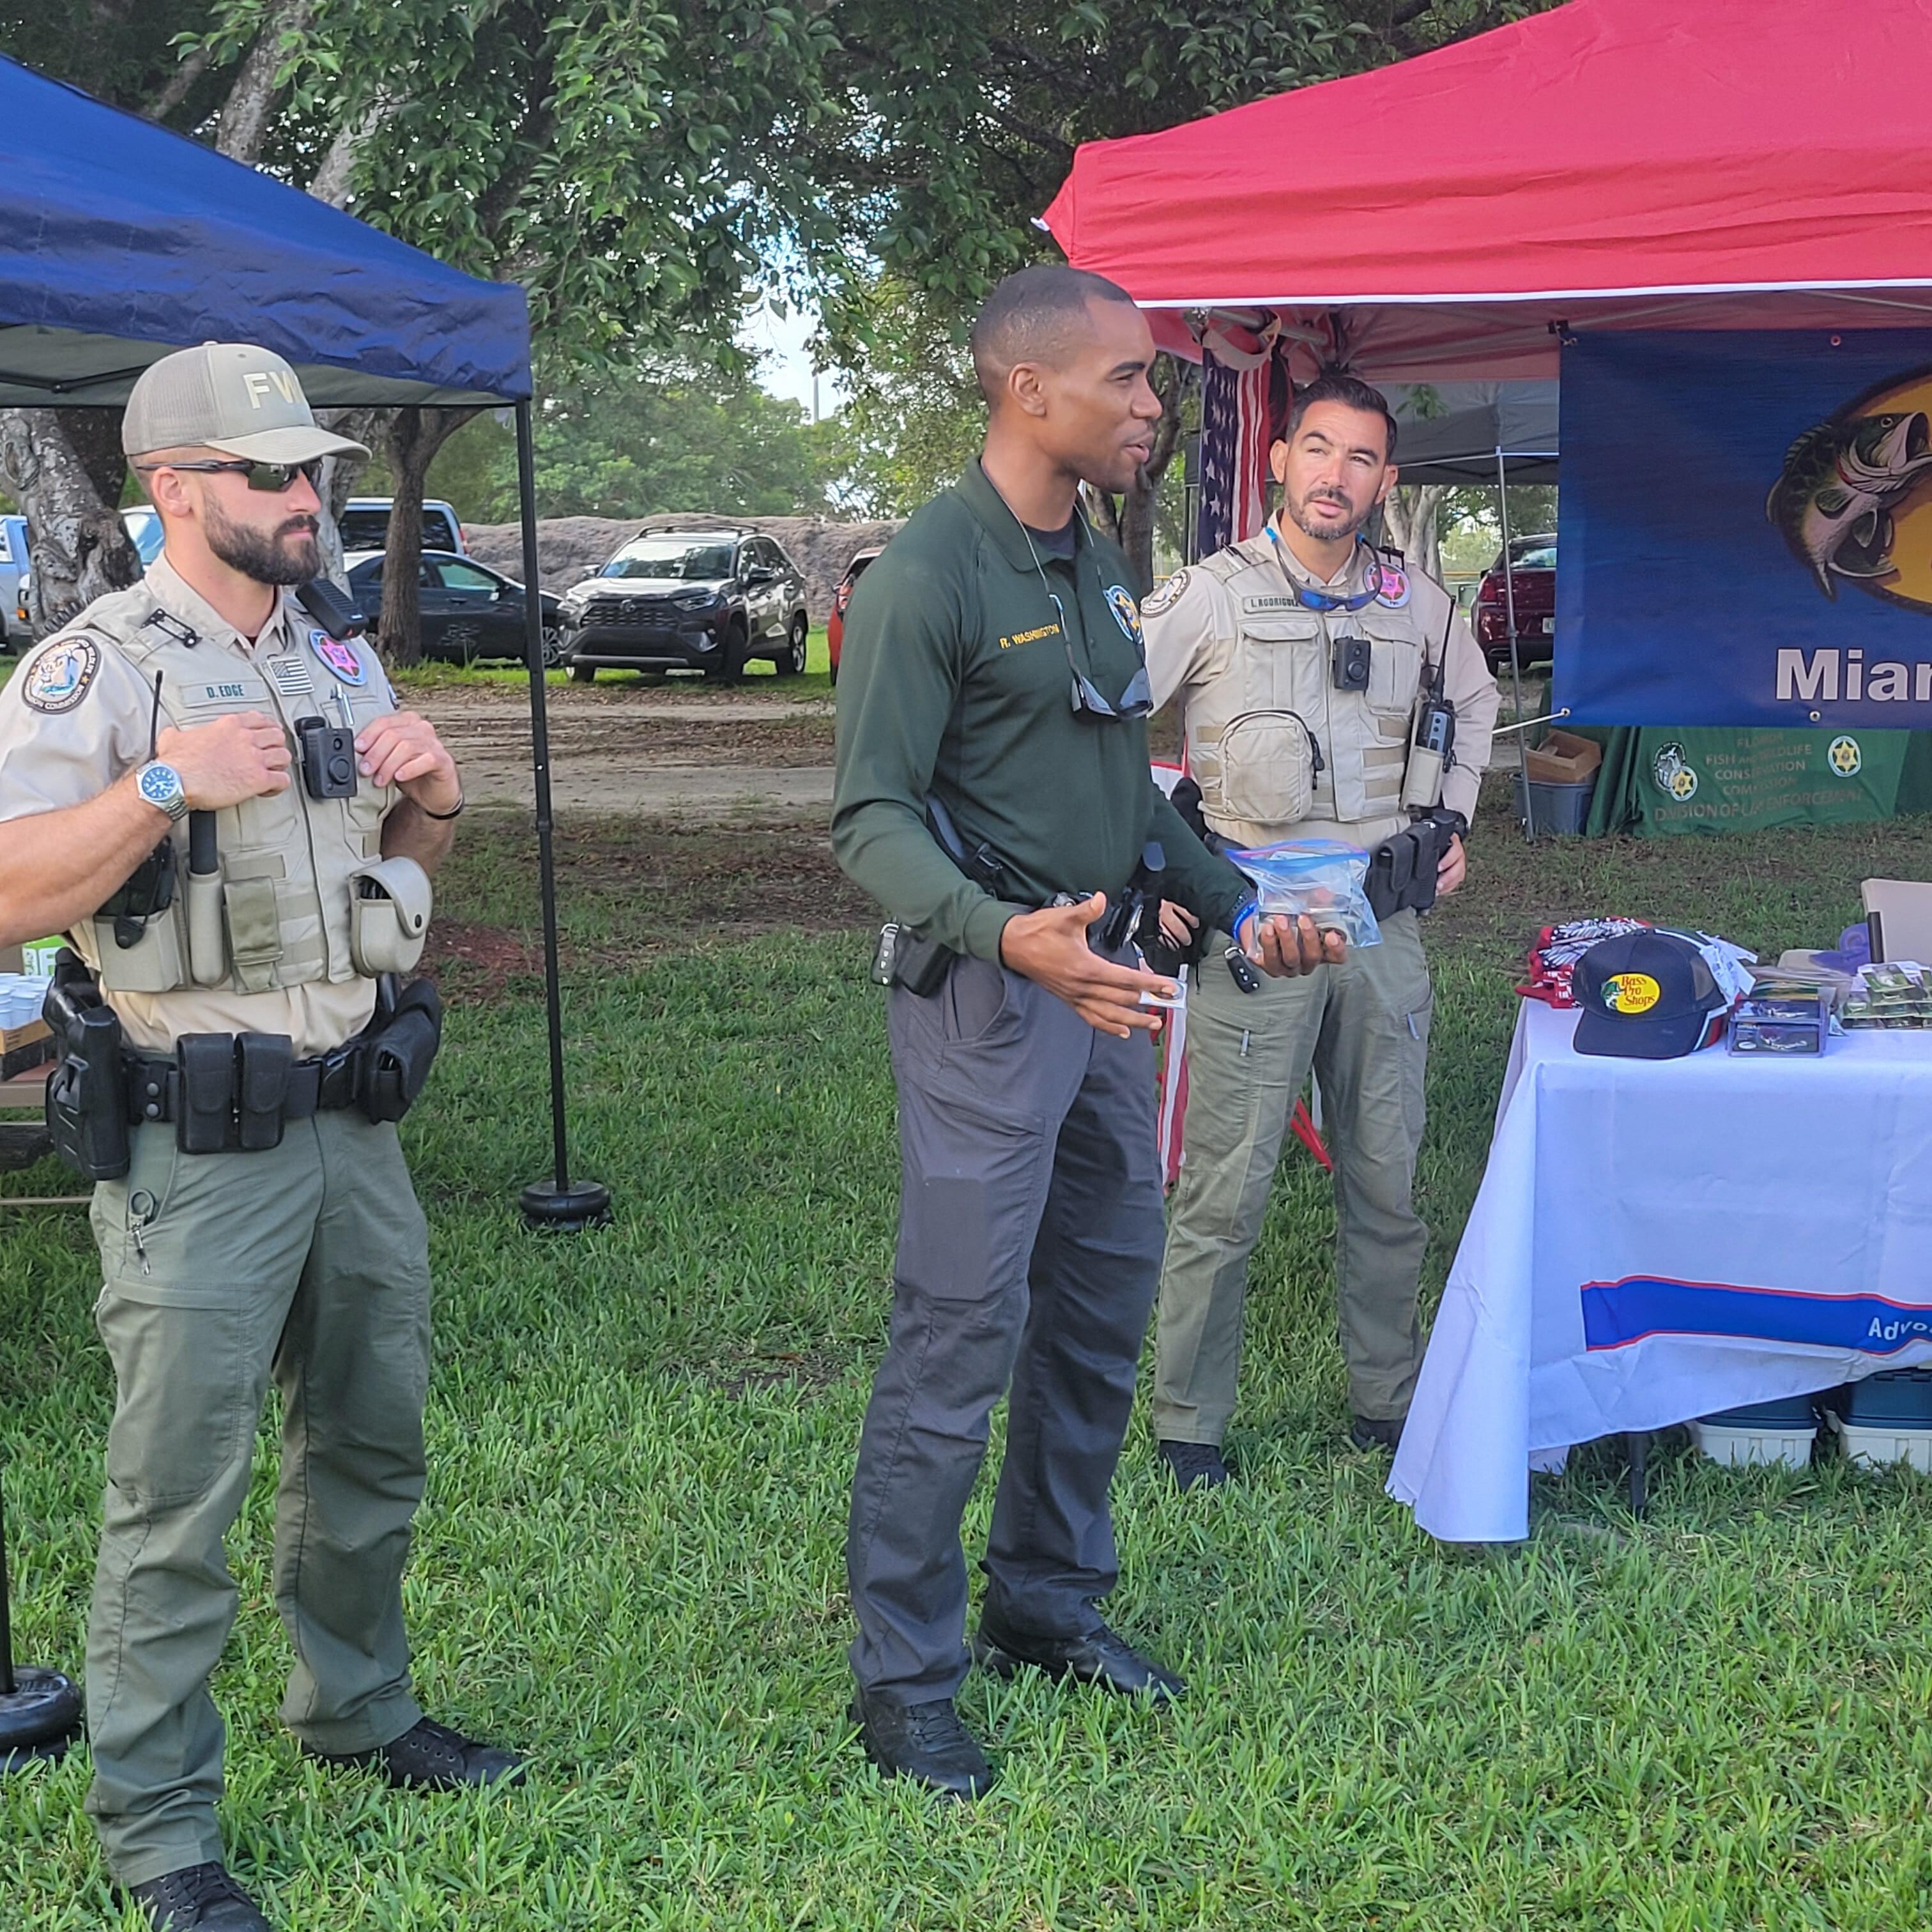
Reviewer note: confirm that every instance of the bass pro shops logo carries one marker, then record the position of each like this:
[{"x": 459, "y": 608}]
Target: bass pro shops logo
[
  {"x": 1672, "y": 776},
  {"x": 1854, "y": 501}
]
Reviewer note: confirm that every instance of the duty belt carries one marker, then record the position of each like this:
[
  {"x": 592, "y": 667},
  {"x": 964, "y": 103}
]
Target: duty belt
[{"x": 237, "y": 1088}]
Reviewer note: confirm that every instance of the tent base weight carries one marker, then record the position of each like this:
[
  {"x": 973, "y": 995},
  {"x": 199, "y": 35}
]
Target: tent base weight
[{"x": 583, "y": 1204}]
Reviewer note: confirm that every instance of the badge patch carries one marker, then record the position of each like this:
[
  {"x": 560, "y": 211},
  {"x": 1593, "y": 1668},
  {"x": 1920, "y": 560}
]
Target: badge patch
[
  {"x": 1672, "y": 776},
  {"x": 1394, "y": 592},
  {"x": 62, "y": 675},
  {"x": 291, "y": 676},
  {"x": 340, "y": 658},
  {"x": 1631, "y": 992},
  {"x": 1165, "y": 595},
  {"x": 1846, "y": 757},
  {"x": 1126, "y": 612}
]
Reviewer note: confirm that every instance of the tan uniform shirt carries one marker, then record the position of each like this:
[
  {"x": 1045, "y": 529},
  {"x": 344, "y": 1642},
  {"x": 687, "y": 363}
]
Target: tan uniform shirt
[
  {"x": 1193, "y": 640},
  {"x": 50, "y": 761}
]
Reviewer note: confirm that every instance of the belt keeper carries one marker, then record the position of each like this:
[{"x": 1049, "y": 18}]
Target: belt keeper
[{"x": 261, "y": 1062}]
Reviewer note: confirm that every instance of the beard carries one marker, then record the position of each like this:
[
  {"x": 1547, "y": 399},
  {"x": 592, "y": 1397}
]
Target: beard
[
  {"x": 1304, "y": 519},
  {"x": 268, "y": 556}
]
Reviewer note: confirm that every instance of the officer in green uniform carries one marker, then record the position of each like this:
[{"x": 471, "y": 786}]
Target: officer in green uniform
[
  {"x": 259, "y": 1221},
  {"x": 1297, "y": 661},
  {"x": 993, "y": 793}
]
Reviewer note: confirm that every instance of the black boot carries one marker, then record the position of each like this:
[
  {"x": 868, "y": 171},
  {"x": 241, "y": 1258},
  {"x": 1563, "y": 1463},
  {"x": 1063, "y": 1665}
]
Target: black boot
[
  {"x": 1103, "y": 1656},
  {"x": 1194, "y": 1465},
  {"x": 197, "y": 1898},
  {"x": 925, "y": 1742},
  {"x": 430, "y": 1757},
  {"x": 1366, "y": 1432}
]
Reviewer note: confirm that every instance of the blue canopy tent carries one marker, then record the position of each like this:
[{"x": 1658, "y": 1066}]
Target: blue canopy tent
[{"x": 120, "y": 242}]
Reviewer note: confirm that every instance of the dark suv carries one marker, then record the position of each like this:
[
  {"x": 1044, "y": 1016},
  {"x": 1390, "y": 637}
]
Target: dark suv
[{"x": 687, "y": 600}]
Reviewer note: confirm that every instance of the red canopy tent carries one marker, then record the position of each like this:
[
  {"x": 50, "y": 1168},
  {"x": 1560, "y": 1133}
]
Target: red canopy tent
[{"x": 1613, "y": 164}]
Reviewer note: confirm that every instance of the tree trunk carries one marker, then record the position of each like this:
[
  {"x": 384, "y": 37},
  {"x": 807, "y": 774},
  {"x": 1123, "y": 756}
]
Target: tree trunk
[
  {"x": 1137, "y": 507},
  {"x": 1414, "y": 512},
  {"x": 64, "y": 469},
  {"x": 338, "y": 480},
  {"x": 414, "y": 437},
  {"x": 243, "y": 125}
]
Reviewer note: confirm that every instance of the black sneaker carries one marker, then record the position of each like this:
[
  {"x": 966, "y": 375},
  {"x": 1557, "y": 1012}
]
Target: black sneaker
[
  {"x": 1366, "y": 1433},
  {"x": 430, "y": 1757},
  {"x": 197, "y": 1898},
  {"x": 924, "y": 1742},
  {"x": 1102, "y": 1658},
  {"x": 1194, "y": 1465}
]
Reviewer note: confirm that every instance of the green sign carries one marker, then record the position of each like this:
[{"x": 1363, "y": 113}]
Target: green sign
[{"x": 1656, "y": 782}]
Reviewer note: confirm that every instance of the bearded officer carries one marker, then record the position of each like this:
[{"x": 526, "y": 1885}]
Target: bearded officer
[
  {"x": 1298, "y": 662},
  {"x": 259, "y": 1220}
]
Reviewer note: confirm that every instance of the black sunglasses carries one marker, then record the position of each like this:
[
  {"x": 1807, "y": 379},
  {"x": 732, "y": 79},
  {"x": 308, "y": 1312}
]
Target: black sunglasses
[
  {"x": 1136, "y": 701},
  {"x": 272, "y": 478}
]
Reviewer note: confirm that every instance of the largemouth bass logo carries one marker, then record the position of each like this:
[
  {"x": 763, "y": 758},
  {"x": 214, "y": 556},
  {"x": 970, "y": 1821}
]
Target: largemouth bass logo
[{"x": 1842, "y": 481}]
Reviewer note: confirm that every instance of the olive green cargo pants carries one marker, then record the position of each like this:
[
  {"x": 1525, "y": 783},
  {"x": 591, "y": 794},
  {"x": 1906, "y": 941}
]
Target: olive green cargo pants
[
  {"x": 308, "y": 1262},
  {"x": 1364, "y": 1027}
]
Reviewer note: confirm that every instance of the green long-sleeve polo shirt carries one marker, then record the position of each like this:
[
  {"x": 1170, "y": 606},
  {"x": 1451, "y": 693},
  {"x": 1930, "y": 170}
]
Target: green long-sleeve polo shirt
[{"x": 954, "y": 680}]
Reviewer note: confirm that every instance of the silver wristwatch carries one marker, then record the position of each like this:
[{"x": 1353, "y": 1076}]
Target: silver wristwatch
[{"x": 160, "y": 785}]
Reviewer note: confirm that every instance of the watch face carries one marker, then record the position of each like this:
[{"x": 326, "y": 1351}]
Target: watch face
[{"x": 160, "y": 784}]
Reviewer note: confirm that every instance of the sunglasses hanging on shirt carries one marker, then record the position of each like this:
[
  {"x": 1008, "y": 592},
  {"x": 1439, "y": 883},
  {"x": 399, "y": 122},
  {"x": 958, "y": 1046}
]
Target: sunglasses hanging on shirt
[{"x": 1136, "y": 701}]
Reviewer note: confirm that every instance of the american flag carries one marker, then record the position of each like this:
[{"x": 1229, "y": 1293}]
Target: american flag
[{"x": 1237, "y": 410}]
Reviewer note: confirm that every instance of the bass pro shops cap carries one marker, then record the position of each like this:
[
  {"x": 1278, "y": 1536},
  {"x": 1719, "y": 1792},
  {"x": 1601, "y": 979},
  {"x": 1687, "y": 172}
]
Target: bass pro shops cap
[
  {"x": 1647, "y": 996},
  {"x": 229, "y": 396}
]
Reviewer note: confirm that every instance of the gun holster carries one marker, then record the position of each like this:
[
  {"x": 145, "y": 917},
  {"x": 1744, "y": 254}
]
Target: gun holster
[
  {"x": 402, "y": 1043},
  {"x": 87, "y": 1098}
]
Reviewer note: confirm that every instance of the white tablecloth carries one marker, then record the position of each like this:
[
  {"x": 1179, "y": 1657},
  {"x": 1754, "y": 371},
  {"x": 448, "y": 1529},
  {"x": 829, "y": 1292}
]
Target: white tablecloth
[{"x": 1657, "y": 1240}]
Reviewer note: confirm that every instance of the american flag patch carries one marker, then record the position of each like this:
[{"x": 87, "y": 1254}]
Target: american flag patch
[{"x": 292, "y": 677}]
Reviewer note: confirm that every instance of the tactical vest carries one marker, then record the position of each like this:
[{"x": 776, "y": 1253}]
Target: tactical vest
[
  {"x": 286, "y": 889},
  {"x": 1278, "y": 752}
]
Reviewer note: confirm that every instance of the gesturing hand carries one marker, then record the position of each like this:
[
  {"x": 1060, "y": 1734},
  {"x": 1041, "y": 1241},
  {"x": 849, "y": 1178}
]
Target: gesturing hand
[
  {"x": 1049, "y": 947},
  {"x": 242, "y": 755},
  {"x": 401, "y": 748}
]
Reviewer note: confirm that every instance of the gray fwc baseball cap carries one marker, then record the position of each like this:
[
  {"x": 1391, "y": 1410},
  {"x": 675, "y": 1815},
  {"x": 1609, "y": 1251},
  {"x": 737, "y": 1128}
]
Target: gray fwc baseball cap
[{"x": 229, "y": 396}]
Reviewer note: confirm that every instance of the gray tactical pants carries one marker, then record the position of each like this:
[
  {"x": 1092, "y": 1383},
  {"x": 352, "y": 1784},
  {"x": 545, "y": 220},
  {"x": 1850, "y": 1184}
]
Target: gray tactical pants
[
  {"x": 1364, "y": 1027},
  {"x": 1029, "y": 1233},
  {"x": 308, "y": 1263}
]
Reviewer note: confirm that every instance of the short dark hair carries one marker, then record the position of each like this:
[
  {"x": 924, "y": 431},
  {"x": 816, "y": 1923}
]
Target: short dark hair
[
  {"x": 1031, "y": 316},
  {"x": 1333, "y": 386}
]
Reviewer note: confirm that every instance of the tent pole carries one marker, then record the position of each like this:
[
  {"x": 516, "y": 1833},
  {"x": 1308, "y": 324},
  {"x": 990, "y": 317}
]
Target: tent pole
[
  {"x": 1515, "y": 665},
  {"x": 557, "y": 1202}
]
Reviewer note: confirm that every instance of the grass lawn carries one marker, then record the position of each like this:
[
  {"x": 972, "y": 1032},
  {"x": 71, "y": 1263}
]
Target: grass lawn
[
  {"x": 816, "y": 681},
  {"x": 630, "y": 1560}
]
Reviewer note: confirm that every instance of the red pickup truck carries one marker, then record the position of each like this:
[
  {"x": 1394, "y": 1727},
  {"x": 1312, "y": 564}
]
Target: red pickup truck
[{"x": 1533, "y": 565}]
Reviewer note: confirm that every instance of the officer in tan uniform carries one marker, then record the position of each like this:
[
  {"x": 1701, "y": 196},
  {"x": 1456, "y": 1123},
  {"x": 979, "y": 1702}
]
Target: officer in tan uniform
[
  {"x": 1305, "y": 666},
  {"x": 217, "y": 801}
]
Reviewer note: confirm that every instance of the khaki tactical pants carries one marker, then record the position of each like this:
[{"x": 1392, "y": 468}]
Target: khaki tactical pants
[
  {"x": 1364, "y": 1027},
  {"x": 308, "y": 1262}
]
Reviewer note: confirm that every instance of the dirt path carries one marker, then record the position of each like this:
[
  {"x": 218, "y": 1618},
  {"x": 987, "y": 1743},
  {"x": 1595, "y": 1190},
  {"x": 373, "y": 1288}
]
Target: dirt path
[{"x": 666, "y": 753}]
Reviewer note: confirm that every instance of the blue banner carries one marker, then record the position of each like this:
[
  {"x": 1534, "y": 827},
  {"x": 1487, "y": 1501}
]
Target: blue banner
[
  {"x": 1616, "y": 1313},
  {"x": 1747, "y": 530}
]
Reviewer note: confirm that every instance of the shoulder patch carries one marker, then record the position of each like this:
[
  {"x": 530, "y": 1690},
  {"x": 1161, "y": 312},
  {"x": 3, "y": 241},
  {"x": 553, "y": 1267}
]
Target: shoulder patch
[
  {"x": 1165, "y": 594},
  {"x": 340, "y": 657},
  {"x": 61, "y": 676}
]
